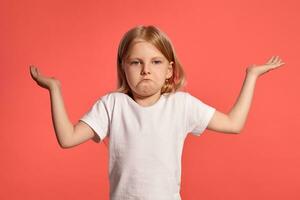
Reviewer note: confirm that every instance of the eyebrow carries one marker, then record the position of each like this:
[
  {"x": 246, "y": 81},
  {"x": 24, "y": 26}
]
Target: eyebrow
[{"x": 139, "y": 58}]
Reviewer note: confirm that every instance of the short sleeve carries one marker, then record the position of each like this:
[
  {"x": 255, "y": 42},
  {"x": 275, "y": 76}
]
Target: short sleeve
[
  {"x": 198, "y": 115},
  {"x": 97, "y": 118}
]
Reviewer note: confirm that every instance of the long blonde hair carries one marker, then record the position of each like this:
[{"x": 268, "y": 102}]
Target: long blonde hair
[{"x": 161, "y": 41}]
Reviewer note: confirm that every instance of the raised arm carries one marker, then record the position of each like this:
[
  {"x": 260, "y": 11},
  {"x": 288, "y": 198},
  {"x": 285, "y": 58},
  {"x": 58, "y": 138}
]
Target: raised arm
[
  {"x": 67, "y": 134},
  {"x": 234, "y": 121}
]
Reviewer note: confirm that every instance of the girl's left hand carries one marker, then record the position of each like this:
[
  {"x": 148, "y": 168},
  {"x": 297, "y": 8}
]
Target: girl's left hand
[{"x": 273, "y": 63}]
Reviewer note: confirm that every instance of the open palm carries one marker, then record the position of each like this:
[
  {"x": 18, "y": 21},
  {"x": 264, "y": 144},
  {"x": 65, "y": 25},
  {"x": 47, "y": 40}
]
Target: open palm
[
  {"x": 43, "y": 81},
  {"x": 273, "y": 63}
]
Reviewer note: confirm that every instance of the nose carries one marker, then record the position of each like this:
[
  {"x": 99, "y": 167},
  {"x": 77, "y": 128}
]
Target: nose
[{"x": 145, "y": 69}]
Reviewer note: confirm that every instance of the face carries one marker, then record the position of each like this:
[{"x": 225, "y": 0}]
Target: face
[{"x": 146, "y": 69}]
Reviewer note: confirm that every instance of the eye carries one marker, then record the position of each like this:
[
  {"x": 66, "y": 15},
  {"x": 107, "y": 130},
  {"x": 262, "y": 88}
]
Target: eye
[
  {"x": 134, "y": 62},
  {"x": 157, "y": 61}
]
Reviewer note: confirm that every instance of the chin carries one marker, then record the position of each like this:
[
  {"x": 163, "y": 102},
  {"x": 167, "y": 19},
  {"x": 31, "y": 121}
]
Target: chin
[{"x": 146, "y": 92}]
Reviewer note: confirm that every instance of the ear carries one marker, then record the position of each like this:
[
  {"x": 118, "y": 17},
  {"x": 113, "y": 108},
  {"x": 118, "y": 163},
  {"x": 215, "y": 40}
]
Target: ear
[{"x": 170, "y": 70}]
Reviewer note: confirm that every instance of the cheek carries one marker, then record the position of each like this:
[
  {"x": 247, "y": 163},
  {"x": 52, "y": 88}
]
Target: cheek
[
  {"x": 161, "y": 75},
  {"x": 131, "y": 75}
]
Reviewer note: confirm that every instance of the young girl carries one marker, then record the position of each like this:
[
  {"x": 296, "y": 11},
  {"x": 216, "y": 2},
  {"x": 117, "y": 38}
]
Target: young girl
[{"x": 147, "y": 118}]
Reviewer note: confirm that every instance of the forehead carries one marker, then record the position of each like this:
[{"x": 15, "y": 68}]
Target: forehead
[{"x": 143, "y": 48}]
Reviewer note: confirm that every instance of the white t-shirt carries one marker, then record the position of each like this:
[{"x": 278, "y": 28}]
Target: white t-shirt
[{"x": 145, "y": 143}]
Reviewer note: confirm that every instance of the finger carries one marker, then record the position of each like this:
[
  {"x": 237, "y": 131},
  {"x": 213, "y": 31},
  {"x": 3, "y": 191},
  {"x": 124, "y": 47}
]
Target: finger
[
  {"x": 36, "y": 74},
  {"x": 278, "y": 64},
  {"x": 32, "y": 71},
  {"x": 276, "y": 59},
  {"x": 33, "y": 74},
  {"x": 37, "y": 71},
  {"x": 32, "y": 67},
  {"x": 279, "y": 61},
  {"x": 270, "y": 60}
]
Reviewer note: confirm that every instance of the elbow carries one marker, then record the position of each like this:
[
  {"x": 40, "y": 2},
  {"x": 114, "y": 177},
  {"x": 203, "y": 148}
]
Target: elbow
[
  {"x": 237, "y": 131},
  {"x": 64, "y": 145},
  {"x": 66, "y": 142},
  {"x": 237, "y": 127}
]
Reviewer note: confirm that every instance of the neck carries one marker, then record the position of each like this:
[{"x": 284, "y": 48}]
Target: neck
[{"x": 145, "y": 100}]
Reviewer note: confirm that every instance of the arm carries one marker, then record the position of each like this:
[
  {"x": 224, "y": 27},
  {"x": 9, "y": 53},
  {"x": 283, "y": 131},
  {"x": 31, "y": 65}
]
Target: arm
[
  {"x": 236, "y": 118},
  {"x": 239, "y": 112},
  {"x": 234, "y": 121},
  {"x": 67, "y": 134},
  {"x": 63, "y": 127}
]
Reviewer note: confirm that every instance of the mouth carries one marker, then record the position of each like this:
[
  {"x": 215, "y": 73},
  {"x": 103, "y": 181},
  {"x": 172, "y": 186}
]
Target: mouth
[{"x": 145, "y": 80}]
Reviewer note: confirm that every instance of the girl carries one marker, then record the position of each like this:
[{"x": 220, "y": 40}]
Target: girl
[{"x": 147, "y": 118}]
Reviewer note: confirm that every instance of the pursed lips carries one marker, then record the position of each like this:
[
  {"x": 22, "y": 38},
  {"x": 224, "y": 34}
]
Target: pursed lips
[{"x": 145, "y": 79}]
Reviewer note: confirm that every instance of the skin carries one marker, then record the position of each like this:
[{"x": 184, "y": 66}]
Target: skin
[
  {"x": 234, "y": 121},
  {"x": 145, "y": 61},
  {"x": 147, "y": 92}
]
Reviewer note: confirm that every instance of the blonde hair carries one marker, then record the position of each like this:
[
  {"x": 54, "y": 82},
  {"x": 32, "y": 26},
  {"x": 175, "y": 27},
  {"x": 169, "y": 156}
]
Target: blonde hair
[{"x": 161, "y": 41}]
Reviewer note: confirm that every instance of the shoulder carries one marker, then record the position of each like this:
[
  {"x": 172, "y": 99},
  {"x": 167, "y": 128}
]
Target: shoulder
[
  {"x": 180, "y": 95},
  {"x": 112, "y": 97},
  {"x": 187, "y": 95},
  {"x": 188, "y": 98}
]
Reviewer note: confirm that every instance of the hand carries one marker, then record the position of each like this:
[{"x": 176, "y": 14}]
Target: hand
[
  {"x": 273, "y": 63},
  {"x": 43, "y": 81}
]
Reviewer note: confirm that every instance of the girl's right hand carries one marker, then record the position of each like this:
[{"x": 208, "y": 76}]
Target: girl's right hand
[{"x": 43, "y": 81}]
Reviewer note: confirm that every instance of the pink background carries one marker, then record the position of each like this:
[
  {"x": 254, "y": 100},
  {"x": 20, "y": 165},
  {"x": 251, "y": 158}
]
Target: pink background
[{"x": 76, "y": 41}]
